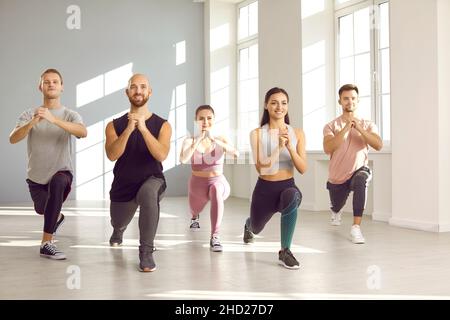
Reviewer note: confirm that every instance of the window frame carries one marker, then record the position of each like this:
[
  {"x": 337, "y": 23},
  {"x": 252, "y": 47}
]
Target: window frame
[
  {"x": 378, "y": 74},
  {"x": 375, "y": 58},
  {"x": 244, "y": 43}
]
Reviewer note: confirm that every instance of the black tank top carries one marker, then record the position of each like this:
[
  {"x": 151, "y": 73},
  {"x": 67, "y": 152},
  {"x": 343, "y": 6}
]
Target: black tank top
[{"x": 136, "y": 163}]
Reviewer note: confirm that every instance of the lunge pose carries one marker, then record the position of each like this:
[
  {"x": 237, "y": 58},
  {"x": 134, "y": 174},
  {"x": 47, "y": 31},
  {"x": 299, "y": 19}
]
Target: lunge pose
[
  {"x": 49, "y": 129},
  {"x": 277, "y": 149},
  {"x": 139, "y": 141},
  {"x": 347, "y": 140},
  {"x": 206, "y": 154}
]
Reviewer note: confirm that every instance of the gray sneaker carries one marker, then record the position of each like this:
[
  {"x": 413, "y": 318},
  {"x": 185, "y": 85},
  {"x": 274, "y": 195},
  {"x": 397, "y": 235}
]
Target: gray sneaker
[
  {"x": 146, "y": 264},
  {"x": 249, "y": 237},
  {"x": 116, "y": 238},
  {"x": 49, "y": 250},
  {"x": 287, "y": 259}
]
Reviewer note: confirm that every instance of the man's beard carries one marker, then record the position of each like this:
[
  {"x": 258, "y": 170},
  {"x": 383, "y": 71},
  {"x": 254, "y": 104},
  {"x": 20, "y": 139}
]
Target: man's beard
[
  {"x": 140, "y": 103},
  {"x": 350, "y": 108}
]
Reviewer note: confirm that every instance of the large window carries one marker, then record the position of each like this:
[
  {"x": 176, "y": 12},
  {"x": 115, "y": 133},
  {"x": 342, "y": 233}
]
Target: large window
[
  {"x": 248, "y": 85},
  {"x": 177, "y": 113},
  {"x": 177, "y": 120},
  {"x": 383, "y": 67},
  {"x": 363, "y": 58}
]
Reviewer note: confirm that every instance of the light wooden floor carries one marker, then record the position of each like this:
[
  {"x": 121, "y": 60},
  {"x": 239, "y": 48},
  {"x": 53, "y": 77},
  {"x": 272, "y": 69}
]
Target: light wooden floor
[{"x": 393, "y": 264}]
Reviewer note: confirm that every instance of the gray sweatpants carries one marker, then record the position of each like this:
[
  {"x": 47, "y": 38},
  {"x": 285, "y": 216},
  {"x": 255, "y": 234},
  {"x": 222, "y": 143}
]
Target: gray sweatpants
[
  {"x": 147, "y": 198},
  {"x": 358, "y": 183}
]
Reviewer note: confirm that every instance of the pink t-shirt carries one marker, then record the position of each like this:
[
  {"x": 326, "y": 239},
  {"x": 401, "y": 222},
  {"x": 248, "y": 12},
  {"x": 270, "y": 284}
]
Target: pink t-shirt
[{"x": 352, "y": 154}]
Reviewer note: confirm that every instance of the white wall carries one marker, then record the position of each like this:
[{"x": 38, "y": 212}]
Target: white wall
[
  {"x": 34, "y": 36},
  {"x": 443, "y": 20},
  {"x": 318, "y": 46},
  {"x": 318, "y": 28},
  {"x": 280, "y": 55},
  {"x": 419, "y": 132},
  {"x": 381, "y": 186}
]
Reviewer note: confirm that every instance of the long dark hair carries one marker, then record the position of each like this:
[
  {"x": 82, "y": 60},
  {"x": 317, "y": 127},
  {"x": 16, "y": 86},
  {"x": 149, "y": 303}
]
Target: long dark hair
[{"x": 265, "y": 117}]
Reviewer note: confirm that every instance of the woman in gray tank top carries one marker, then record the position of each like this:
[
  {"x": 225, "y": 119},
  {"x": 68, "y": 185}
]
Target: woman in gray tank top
[{"x": 277, "y": 149}]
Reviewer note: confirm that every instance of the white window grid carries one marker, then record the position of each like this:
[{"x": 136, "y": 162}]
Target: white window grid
[
  {"x": 379, "y": 96},
  {"x": 247, "y": 42}
]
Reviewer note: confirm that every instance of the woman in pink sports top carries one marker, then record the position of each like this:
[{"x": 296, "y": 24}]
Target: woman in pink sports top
[{"x": 206, "y": 154}]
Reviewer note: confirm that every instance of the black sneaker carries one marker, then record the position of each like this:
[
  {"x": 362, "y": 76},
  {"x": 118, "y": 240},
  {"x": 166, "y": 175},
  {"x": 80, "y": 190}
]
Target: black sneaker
[
  {"x": 287, "y": 259},
  {"x": 49, "y": 250},
  {"x": 116, "y": 238},
  {"x": 59, "y": 223},
  {"x": 249, "y": 237},
  {"x": 146, "y": 262},
  {"x": 195, "y": 224}
]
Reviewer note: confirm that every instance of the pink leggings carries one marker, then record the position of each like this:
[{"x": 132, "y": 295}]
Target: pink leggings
[{"x": 201, "y": 190}]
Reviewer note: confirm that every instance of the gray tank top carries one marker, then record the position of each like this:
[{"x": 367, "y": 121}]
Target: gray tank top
[{"x": 269, "y": 142}]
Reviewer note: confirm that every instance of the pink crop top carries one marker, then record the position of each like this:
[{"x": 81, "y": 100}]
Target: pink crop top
[{"x": 208, "y": 161}]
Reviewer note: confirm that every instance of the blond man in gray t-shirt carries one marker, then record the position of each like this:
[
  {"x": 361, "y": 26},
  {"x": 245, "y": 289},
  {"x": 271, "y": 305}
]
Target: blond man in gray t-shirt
[{"x": 49, "y": 129}]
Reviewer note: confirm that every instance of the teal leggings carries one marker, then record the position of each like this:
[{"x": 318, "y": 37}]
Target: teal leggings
[{"x": 270, "y": 197}]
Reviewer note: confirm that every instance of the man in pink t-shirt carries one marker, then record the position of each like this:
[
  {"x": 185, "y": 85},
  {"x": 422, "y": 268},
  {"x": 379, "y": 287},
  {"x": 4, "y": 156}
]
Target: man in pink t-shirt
[{"x": 347, "y": 140}]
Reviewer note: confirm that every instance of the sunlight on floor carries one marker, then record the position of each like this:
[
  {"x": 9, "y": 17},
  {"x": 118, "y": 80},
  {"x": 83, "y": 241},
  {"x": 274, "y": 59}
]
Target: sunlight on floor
[{"x": 236, "y": 295}]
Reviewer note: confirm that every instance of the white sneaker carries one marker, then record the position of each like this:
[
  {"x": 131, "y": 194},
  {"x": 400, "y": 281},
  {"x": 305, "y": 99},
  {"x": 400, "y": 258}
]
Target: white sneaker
[
  {"x": 194, "y": 225},
  {"x": 335, "y": 219},
  {"x": 214, "y": 244},
  {"x": 356, "y": 235}
]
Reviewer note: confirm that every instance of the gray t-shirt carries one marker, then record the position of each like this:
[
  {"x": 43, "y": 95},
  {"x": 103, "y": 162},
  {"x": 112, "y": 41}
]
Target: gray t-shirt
[{"x": 49, "y": 146}]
